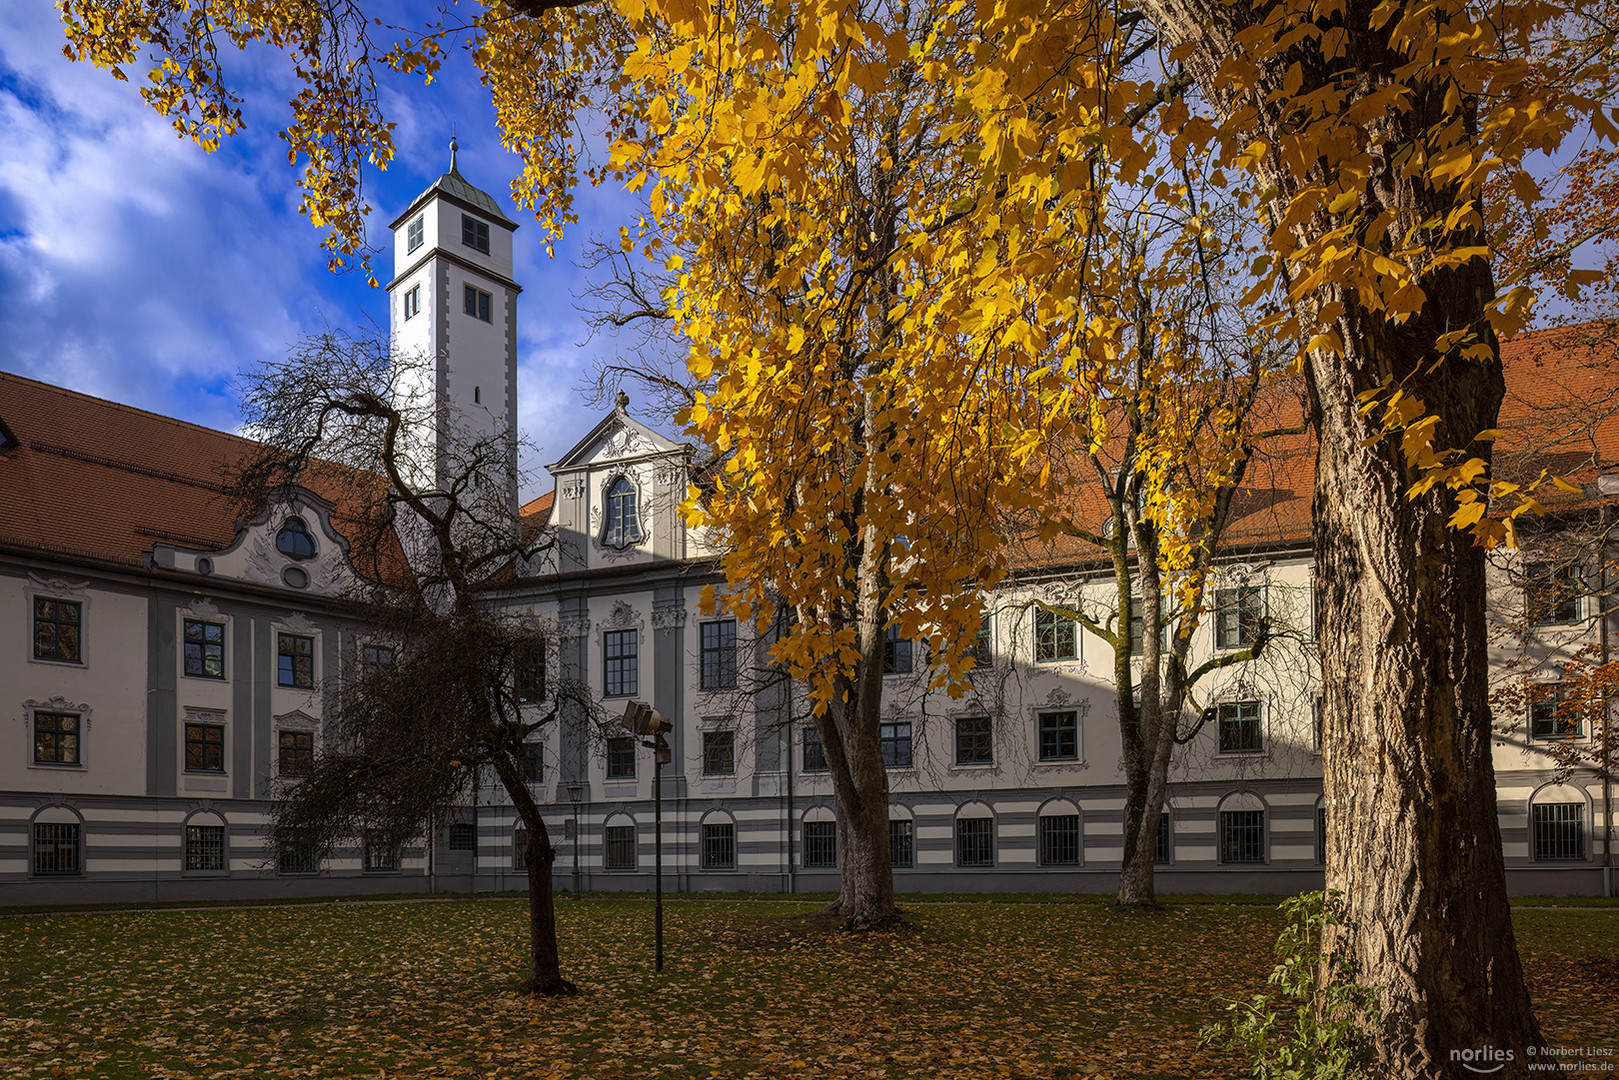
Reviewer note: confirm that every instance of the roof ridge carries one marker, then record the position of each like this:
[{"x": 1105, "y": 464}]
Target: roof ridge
[{"x": 147, "y": 413}]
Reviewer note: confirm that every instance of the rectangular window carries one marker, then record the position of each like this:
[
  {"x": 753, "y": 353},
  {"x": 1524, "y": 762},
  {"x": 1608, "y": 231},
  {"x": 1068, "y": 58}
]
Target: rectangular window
[
  {"x": 1163, "y": 852},
  {"x": 475, "y": 233},
  {"x": 205, "y": 847},
  {"x": 719, "y": 753},
  {"x": 380, "y": 855},
  {"x": 901, "y": 842},
  {"x": 1240, "y": 729},
  {"x": 621, "y": 673},
  {"x": 1059, "y": 736},
  {"x": 719, "y": 846},
  {"x": 1552, "y": 715},
  {"x": 982, "y": 650},
  {"x": 975, "y": 842},
  {"x": 718, "y": 648},
  {"x": 295, "y": 661},
  {"x": 531, "y": 763},
  {"x": 520, "y": 848},
  {"x": 205, "y": 748},
  {"x": 1238, "y": 613},
  {"x": 821, "y": 844},
  {"x": 531, "y": 674},
  {"x": 56, "y": 629},
  {"x": 1059, "y": 840},
  {"x": 896, "y": 741},
  {"x": 619, "y": 850},
  {"x": 973, "y": 745},
  {"x": 814, "y": 752},
  {"x": 1137, "y": 621},
  {"x": 413, "y": 234},
  {"x": 296, "y": 753},
  {"x": 475, "y": 302},
  {"x": 413, "y": 301},
  {"x": 1559, "y": 830},
  {"x": 373, "y": 658},
  {"x": 1055, "y": 638},
  {"x": 297, "y": 859},
  {"x": 1552, "y": 593},
  {"x": 1242, "y": 836},
  {"x": 463, "y": 836},
  {"x": 204, "y": 649},
  {"x": 897, "y": 653},
  {"x": 56, "y": 848},
  {"x": 620, "y": 758},
  {"x": 56, "y": 738}
]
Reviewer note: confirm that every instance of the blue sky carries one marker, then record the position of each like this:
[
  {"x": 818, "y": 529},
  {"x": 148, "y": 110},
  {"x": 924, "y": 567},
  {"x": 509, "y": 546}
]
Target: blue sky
[{"x": 140, "y": 269}]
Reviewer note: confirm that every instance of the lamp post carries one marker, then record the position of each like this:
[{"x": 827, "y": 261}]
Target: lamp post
[
  {"x": 643, "y": 719},
  {"x": 575, "y": 792}
]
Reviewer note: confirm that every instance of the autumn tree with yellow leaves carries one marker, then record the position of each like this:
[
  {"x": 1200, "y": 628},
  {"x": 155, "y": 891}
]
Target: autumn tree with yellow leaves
[{"x": 875, "y": 356}]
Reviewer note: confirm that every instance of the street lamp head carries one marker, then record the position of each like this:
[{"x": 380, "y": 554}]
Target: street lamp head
[{"x": 575, "y": 791}]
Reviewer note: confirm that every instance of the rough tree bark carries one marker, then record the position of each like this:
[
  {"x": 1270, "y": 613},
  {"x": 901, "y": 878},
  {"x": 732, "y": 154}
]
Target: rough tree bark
[
  {"x": 1414, "y": 842},
  {"x": 545, "y": 962}
]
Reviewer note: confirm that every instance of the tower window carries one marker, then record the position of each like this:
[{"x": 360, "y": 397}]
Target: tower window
[
  {"x": 623, "y": 522},
  {"x": 413, "y": 301},
  {"x": 294, "y": 540},
  {"x": 413, "y": 234},
  {"x": 475, "y": 233},
  {"x": 476, "y": 303}
]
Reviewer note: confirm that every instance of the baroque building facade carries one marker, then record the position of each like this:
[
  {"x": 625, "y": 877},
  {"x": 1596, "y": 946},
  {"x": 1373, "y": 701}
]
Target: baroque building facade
[{"x": 164, "y": 668}]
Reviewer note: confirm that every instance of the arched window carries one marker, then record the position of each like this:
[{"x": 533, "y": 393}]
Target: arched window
[
  {"x": 294, "y": 540},
  {"x": 623, "y": 521}
]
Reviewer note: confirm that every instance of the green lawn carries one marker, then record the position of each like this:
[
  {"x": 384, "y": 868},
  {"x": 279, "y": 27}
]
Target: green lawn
[{"x": 976, "y": 989}]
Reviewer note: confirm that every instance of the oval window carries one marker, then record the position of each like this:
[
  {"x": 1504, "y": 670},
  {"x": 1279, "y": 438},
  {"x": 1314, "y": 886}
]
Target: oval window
[{"x": 294, "y": 540}]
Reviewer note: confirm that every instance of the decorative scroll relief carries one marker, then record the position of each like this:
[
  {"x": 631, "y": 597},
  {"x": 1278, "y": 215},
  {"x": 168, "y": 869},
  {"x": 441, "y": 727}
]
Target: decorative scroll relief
[
  {"x": 202, "y": 608},
  {"x": 296, "y": 622},
  {"x": 194, "y": 715},
  {"x": 59, "y": 704},
  {"x": 296, "y": 721},
  {"x": 573, "y": 489},
  {"x": 624, "y": 442},
  {"x": 668, "y": 614},
  {"x": 576, "y": 627},
  {"x": 58, "y": 586}
]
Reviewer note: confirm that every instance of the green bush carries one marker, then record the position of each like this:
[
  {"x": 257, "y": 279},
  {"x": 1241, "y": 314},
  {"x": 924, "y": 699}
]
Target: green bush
[{"x": 1300, "y": 1029}]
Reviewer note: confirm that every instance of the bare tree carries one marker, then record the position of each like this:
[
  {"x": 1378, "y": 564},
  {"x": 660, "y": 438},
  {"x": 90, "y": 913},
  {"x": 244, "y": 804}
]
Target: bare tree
[{"x": 426, "y": 499}]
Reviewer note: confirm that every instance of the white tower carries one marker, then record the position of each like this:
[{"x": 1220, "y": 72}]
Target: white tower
[{"x": 453, "y": 314}]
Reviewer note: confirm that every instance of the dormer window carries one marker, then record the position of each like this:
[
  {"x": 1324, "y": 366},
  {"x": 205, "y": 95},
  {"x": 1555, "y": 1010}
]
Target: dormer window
[
  {"x": 623, "y": 521},
  {"x": 475, "y": 233},
  {"x": 294, "y": 540},
  {"x": 413, "y": 234}
]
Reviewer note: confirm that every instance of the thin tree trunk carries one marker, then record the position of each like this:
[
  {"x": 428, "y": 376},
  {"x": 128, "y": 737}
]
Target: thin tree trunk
[{"x": 545, "y": 964}]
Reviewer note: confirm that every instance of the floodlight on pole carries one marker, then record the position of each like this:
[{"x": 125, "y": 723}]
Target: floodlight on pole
[{"x": 642, "y": 719}]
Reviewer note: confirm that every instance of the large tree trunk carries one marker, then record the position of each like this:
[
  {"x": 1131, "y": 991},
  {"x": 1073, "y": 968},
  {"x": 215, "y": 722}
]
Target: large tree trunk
[
  {"x": 544, "y": 963},
  {"x": 1414, "y": 844}
]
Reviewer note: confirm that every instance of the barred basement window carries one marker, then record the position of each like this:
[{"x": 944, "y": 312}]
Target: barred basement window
[
  {"x": 821, "y": 844},
  {"x": 898, "y": 653},
  {"x": 718, "y": 654},
  {"x": 297, "y": 753},
  {"x": 205, "y": 847},
  {"x": 520, "y": 848},
  {"x": 719, "y": 753},
  {"x": 56, "y": 848},
  {"x": 380, "y": 855},
  {"x": 619, "y": 852},
  {"x": 56, "y": 738},
  {"x": 1240, "y": 730},
  {"x": 719, "y": 846},
  {"x": 620, "y": 758},
  {"x": 973, "y": 745},
  {"x": 297, "y": 859},
  {"x": 975, "y": 842},
  {"x": 1059, "y": 736},
  {"x": 902, "y": 842},
  {"x": 1559, "y": 830},
  {"x": 205, "y": 748},
  {"x": 621, "y": 663},
  {"x": 896, "y": 743},
  {"x": 1059, "y": 840},
  {"x": 463, "y": 836},
  {"x": 1242, "y": 836},
  {"x": 204, "y": 649},
  {"x": 1055, "y": 638},
  {"x": 814, "y": 751},
  {"x": 56, "y": 629},
  {"x": 1163, "y": 851},
  {"x": 1321, "y": 835}
]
